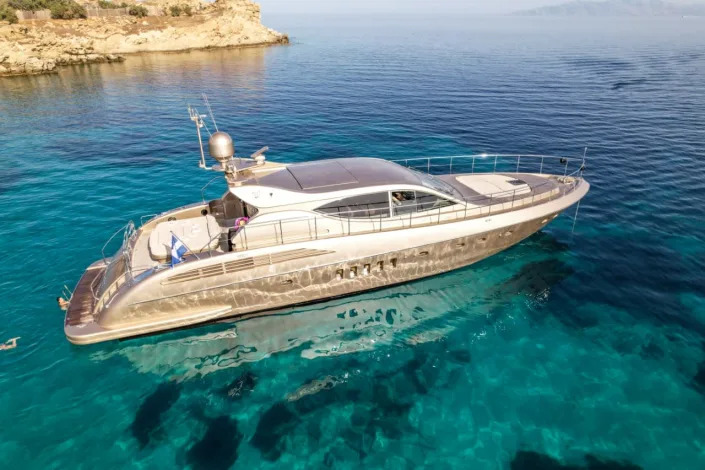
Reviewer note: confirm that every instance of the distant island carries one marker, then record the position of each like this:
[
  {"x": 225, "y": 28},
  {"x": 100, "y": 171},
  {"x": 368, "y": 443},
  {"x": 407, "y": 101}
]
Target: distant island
[
  {"x": 37, "y": 36},
  {"x": 616, "y": 8}
]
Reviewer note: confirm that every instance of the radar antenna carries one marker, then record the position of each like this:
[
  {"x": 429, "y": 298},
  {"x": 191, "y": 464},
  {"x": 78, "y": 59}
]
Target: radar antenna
[{"x": 222, "y": 148}]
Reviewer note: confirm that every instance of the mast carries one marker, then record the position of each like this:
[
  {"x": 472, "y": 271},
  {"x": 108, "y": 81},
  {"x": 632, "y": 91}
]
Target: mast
[{"x": 198, "y": 119}]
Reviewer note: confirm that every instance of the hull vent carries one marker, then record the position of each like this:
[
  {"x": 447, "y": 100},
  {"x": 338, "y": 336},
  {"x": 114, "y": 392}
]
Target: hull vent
[{"x": 243, "y": 265}]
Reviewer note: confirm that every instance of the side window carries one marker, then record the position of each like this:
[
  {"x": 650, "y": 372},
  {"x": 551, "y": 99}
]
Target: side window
[
  {"x": 362, "y": 206},
  {"x": 427, "y": 202},
  {"x": 403, "y": 202}
]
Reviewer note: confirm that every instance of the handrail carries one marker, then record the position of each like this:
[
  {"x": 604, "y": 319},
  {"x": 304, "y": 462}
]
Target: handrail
[
  {"x": 464, "y": 212},
  {"x": 469, "y": 206},
  {"x": 127, "y": 230},
  {"x": 429, "y": 163},
  {"x": 492, "y": 155},
  {"x": 151, "y": 216},
  {"x": 203, "y": 189}
]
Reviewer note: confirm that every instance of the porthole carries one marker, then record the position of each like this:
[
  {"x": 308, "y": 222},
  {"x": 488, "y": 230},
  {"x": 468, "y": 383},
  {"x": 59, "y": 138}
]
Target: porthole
[
  {"x": 394, "y": 262},
  {"x": 339, "y": 274}
]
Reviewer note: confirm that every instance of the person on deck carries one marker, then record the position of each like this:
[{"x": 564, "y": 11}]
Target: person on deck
[{"x": 240, "y": 222}]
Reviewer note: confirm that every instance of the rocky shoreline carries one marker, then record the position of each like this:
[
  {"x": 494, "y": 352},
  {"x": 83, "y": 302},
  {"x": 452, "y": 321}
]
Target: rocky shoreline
[{"x": 42, "y": 46}]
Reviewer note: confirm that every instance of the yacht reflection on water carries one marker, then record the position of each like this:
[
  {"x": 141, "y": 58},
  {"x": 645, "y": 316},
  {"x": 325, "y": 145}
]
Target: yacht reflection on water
[{"x": 401, "y": 316}]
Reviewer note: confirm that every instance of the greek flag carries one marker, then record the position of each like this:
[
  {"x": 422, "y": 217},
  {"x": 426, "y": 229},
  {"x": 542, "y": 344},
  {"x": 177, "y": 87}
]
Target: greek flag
[{"x": 178, "y": 249}]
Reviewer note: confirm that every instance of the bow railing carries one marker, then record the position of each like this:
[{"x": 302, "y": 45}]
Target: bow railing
[{"x": 494, "y": 163}]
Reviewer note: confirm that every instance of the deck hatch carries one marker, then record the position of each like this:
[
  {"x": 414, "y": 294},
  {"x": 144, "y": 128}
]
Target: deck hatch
[{"x": 243, "y": 265}]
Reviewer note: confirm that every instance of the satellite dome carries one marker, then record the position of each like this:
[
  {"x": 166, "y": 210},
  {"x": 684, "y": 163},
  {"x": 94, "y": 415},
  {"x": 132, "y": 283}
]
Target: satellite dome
[{"x": 220, "y": 146}]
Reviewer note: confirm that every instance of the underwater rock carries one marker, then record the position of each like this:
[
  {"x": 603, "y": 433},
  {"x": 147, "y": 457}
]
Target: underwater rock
[
  {"x": 593, "y": 463},
  {"x": 218, "y": 447},
  {"x": 537, "y": 278},
  {"x": 698, "y": 381},
  {"x": 529, "y": 460},
  {"x": 245, "y": 383},
  {"x": 545, "y": 242},
  {"x": 651, "y": 351},
  {"x": 273, "y": 426},
  {"x": 427, "y": 336},
  {"x": 339, "y": 454},
  {"x": 326, "y": 396},
  {"x": 315, "y": 386},
  {"x": 382, "y": 406},
  {"x": 460, "y": 356},
  {"x": 148, "y": 418}
]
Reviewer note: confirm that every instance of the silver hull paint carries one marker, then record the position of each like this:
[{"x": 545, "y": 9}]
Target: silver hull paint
[
  {"x": 300, "y": 286},
  {"x": 261, "y": 280}
]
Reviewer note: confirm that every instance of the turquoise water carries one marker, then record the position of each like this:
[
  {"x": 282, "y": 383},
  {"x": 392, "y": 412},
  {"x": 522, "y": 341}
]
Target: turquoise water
[{"x": 574, "y": 349}]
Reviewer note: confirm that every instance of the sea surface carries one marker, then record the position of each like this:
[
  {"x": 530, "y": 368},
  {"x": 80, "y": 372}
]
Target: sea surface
[{"x": 583, "y": 347}]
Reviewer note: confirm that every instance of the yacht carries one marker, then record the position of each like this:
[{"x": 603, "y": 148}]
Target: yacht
[{"x": 283, "y": 235}]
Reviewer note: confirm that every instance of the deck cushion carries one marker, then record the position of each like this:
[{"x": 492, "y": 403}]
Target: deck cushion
[
  {"x": 486, "y": 184},
  {"x": 197, "y": 233}
]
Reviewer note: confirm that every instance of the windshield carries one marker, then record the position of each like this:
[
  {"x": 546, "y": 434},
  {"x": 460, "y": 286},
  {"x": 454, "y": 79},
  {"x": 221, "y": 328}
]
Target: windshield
[{"x": 432, "y": 182}]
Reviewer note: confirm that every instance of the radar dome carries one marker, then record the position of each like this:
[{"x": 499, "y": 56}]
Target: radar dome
[{"x": 221, "y": 147}]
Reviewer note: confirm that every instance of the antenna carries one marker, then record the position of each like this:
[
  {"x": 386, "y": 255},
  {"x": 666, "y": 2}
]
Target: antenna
[
  {"x": 210, "y": 111},
  {"x": 198, "y": 120}
]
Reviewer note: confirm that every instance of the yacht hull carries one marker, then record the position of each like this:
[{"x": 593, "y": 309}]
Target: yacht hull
[{"x": 301, "y": 286}]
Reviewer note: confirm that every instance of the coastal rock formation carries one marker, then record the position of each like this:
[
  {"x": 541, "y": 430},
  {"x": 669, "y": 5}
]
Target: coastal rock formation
[{"x": 40, "y": 46}]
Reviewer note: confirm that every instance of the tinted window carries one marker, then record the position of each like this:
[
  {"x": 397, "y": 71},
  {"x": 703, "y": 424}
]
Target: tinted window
[
  {"x": 405, "y": 202},
  {"x": 363, "y": 206},
  {"x": 427, "y": 202}
]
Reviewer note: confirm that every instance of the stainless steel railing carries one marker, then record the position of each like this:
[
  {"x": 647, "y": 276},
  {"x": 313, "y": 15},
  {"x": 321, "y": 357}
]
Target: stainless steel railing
[
  {"x": 507, "y": 163},
  {"x": 312, "y": 228},
  {"x": 355, "y": 222},
  {"x": 102, "y": 287},
  {"x": 418, "y": 215}
]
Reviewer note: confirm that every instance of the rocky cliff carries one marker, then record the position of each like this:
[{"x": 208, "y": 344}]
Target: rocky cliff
[{"x": 40, "y": 46}]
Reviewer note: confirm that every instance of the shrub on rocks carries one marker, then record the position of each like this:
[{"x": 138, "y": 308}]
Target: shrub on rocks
[
  {"x": 66, "y": 10},
  {"x": 108, "y": 5},
  {"x": 60, "y": 9},
  {"x": 8, "y": 14},
  {"x": 138, "y": 10}
]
